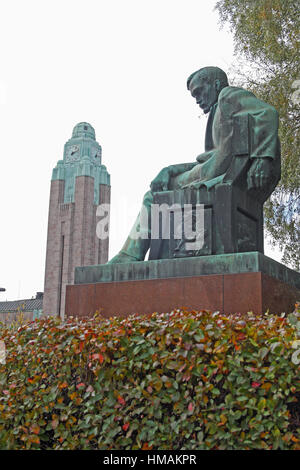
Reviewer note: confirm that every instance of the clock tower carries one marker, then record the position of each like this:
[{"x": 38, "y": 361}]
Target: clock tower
[{"x": 79, "y": 184}]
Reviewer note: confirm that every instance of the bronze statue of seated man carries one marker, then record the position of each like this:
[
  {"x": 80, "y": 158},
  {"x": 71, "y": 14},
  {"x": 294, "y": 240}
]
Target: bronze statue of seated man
[{"x": 239, "y": 125}]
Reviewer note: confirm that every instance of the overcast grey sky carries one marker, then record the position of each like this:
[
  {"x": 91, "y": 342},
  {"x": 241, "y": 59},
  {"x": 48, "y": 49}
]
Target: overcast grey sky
[{"x": 120, "y": 65}]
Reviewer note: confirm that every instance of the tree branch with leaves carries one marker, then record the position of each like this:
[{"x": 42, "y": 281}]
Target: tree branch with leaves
[{"x": 266, "y": 39}]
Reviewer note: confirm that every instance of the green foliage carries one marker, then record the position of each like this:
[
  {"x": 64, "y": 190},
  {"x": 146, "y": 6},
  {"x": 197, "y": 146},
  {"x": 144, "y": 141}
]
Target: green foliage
[
  {"x": 184, "y": 380},
  {"x": 266, "y": 37}
]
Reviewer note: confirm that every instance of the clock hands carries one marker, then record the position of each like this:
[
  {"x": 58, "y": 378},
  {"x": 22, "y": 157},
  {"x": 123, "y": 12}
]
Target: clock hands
[{"x": 73, "y": 153}]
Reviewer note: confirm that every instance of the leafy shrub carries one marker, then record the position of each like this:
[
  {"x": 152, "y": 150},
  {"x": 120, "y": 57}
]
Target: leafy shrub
[{"x": 183, "y": 380}]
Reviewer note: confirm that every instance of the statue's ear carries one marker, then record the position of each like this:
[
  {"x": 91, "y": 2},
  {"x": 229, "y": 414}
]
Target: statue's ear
[{"x": 218, "y": 85}]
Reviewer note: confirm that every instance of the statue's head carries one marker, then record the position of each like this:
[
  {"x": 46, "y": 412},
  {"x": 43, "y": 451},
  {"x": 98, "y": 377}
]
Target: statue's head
[{"x": 205, "y": 86}]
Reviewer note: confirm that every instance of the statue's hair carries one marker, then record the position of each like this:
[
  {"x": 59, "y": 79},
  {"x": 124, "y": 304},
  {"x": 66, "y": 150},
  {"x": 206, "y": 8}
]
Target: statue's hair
[{"x": 214, "y": 73}]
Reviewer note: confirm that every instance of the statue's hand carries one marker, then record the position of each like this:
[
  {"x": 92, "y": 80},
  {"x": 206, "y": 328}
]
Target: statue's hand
[
  {"x": 260, "y": 173},
  {"x": 161, "y": 182},
  {"x": 203, "y": 157}
]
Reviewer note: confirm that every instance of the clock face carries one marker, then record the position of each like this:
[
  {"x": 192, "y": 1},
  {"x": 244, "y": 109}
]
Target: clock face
[
  {"x": 96, "y": 153},
  {"x": 73, "y": 153}
]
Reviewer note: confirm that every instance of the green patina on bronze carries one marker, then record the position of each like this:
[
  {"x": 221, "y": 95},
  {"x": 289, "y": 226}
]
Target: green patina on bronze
[
  {"x": 82, "y": 157},
  {"x": 233, "y": 177},
  {"x": 187, "y": 267}
]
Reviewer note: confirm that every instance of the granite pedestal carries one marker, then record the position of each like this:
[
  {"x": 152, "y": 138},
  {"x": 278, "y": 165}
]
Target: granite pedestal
[{"x": 229, "y": 283}]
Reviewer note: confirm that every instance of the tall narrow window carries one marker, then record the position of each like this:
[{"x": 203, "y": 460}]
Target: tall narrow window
[{"x": 61, "y": 273}]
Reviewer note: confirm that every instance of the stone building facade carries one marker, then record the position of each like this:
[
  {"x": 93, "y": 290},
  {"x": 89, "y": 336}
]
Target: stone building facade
[{"x": 79, "y": 184}]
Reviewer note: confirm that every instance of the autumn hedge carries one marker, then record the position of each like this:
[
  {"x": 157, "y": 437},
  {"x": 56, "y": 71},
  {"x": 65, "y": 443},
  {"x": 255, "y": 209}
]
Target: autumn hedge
[{"x": 184, "y": 380}]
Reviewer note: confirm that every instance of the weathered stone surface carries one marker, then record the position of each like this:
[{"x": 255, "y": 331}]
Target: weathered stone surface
[{"x": 234, "y": 263}]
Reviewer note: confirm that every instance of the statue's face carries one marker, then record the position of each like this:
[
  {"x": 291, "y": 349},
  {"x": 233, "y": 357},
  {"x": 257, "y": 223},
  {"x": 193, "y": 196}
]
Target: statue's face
[{"x": 205, "y": 90}]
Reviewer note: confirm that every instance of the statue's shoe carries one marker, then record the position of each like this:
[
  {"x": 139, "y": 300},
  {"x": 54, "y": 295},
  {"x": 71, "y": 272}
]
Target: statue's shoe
[{"x": 122, "y": 258}]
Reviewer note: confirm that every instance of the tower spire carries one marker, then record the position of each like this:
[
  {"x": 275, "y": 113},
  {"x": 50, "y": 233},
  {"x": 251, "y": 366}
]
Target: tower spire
[{"x": 79, "y": 184}]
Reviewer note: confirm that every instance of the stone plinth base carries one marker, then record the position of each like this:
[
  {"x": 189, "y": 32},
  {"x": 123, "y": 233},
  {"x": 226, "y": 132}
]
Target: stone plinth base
[{"x": 228, "y": 283}]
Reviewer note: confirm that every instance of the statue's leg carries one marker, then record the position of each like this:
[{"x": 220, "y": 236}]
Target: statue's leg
[{"x": 138, "y": 241}]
